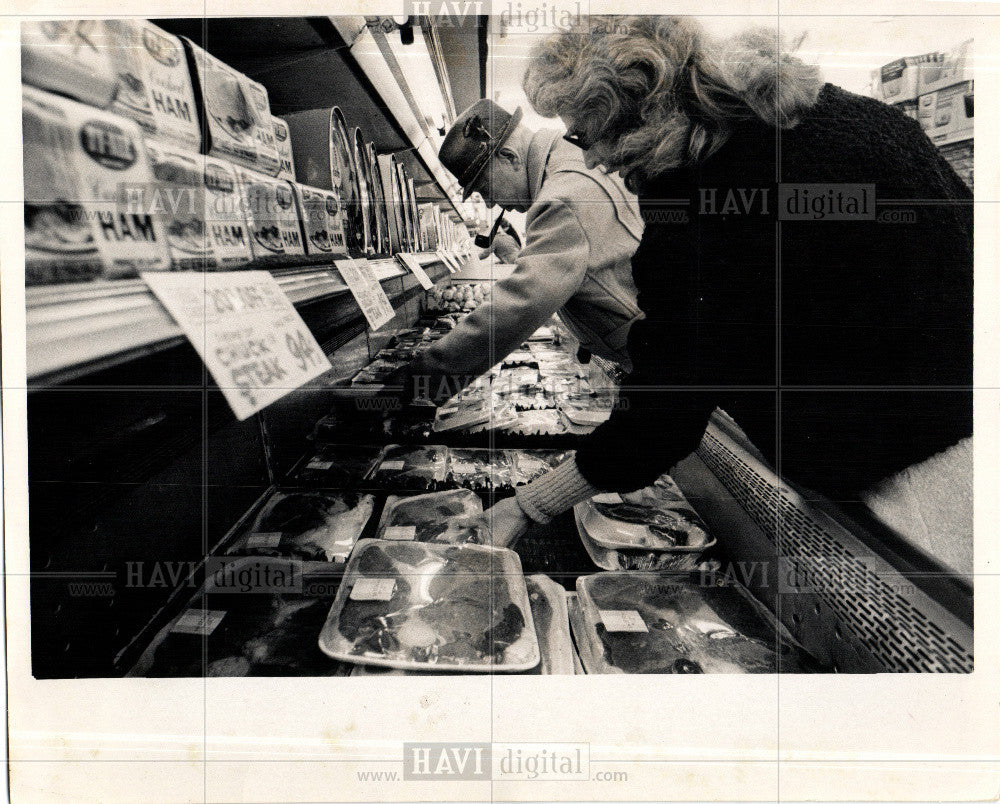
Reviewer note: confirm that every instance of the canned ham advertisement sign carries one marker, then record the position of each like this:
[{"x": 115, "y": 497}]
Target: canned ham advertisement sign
[
  {"x": 272, "y": 217},
  {"x": 322, "y": 221},
  {"x": 83, "y": 167},
  {"x": 225, "y": 95}
]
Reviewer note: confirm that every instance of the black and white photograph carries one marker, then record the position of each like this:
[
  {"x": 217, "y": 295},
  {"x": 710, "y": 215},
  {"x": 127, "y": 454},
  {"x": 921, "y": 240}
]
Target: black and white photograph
[{"x": 367, "y": 364}]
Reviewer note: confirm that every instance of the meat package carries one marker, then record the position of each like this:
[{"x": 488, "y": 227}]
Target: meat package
[
  {"x": 651, "y": 529},
  {"x": 530, "y": 464},
  {"x": 481, "y": 469},
  {"x": 310, "y": 525},
  {"x": 272, "y": 217},
  {"x": 417, "y": 468},
  {"x": 548, "y": 610},
  {"x": 322, "y": 221},
  {"x": 444, "y": 516},
  {"x": 420, "y": 606},
  {"x": 337, "y": 466},
  {"x": 247, "y": 634},
  {"x": 555, "y": 644},
  {"x": 80, "y": 167},
  {"x": 648, "y": 622}
]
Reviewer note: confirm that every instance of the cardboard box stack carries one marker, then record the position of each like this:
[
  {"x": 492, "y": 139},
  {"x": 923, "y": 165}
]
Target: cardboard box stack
[{"x": 937, "y": 90}]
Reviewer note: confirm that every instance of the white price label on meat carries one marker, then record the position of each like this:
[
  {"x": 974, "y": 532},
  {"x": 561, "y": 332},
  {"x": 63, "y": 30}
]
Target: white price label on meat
[
  {"x": 321, "y": 465},
  {"x": 201, "y": 623},
  {"x": 627, "y": 620},
  {"x": 264, "y": 540},
  {"x": 392, "y": 466},
  {"x": 248, "y": 333},
  {"x": 400, "y": 533},
  {"x": 410, "y": 261},
  {"x": 367, "y": 292},
  {"x": 373, "y": 589}
]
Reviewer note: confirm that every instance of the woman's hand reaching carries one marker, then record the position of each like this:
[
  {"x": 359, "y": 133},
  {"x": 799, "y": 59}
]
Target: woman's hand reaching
[{"x": 507, "y": 522}]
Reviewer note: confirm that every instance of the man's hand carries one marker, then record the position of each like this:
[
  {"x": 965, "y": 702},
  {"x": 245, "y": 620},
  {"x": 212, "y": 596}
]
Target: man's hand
[
  {"x": 507, "y": 522},
  {"x": 504, "y": 246}
]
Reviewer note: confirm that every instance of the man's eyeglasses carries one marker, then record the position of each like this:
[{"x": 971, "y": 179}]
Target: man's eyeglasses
[{"x": 577, "y": 139}]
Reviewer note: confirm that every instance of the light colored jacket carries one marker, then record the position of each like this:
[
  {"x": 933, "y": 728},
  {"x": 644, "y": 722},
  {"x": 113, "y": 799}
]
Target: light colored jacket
[{"x": 582, "y": 228}]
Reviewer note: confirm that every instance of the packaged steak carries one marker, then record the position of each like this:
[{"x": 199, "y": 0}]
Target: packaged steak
[
  {"x": 310, "y": 525},
  {"x": 455, "y": 517},
  {"x": 423, "y": 606},
  {"x": 482, "y": 469},
  {"x": 529, "y": 464},
  {"x": 404, "y": 467},
  {"x": 272, "y": 217},
  {"x": 322, "y": 221},
  {"x": 342, "y": 466},
  {"x": 86, "y": 173},
  {"x": 283, "y": 143},
  {"x": 70, "y": 57},
  {"x": 548, "y": 610},
  {"x": 648, "y": 622}
]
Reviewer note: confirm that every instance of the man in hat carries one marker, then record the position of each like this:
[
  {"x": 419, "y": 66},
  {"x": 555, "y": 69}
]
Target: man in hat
[{"x": 582, "y": 227}]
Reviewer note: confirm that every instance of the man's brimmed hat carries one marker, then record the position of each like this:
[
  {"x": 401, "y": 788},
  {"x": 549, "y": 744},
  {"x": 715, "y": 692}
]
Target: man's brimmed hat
[{"x": 478, "y": 133}]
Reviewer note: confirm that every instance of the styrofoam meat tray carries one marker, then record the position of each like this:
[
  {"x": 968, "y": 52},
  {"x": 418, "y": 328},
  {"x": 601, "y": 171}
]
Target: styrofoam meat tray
[{"x": 421, "y": 606}]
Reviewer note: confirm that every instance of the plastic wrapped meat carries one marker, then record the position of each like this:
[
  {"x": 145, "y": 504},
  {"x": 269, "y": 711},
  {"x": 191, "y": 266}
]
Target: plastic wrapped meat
[
  {"x": 378, "y": 372},
  {"x": 588, "y": 410},
  {"x": 482, "y": 469},
  {"x": 311, "y": 525},
  {"x": 654, "y": 528},
  {"x": 537, "y": 422},
  {"x": 403, "y": 467},
  {"x": 251, "y": 634},
  {"x": 530, "y": 464},
  {"x": 548, "y": 610},
  {"x": 418, "y": 606},
  {"x": 445, "y": 516},
  {"x": 337, "y": 466},
  {"x": 645, "y": 622}
]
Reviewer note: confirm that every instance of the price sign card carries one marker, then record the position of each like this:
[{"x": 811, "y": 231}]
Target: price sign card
[
  {"x": 367, "y": 292},
  {"x": 252, "y": 340},
  {"x": 410, "y": 261},
  {"x": 447, "y": 262}
]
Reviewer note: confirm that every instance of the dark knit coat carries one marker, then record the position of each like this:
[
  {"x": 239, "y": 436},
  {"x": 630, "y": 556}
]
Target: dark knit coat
[{"x": 842, "y": 347}]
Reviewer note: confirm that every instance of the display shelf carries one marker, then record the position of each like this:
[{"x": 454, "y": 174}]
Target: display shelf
[{"x": 75, "y": 329}]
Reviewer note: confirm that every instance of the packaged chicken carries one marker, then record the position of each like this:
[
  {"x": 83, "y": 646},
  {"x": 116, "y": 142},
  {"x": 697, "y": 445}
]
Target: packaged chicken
[
  {"x": 70, "y": 57},
  {"x": 529, "y": 464},
  {"x": 86, "y": 175},
  {"x": 415, "y": 606},
  {"x": 482, "y": 469},
  {"x": 648, "y": 622},
  {"x": 403, "y": 467},
  {"x": 338, "y": 466},
  {"x": 548, "y": 610},
  {"x": 310, "y": 525},
  {"x": 321, "y": 221},
  {"x": 272, "y": 217},
  {"x": 455, "y": 517}
]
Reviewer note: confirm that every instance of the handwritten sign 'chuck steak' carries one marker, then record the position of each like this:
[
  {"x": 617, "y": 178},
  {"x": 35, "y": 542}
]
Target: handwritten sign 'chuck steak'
[{"x": 251, "y": 338}]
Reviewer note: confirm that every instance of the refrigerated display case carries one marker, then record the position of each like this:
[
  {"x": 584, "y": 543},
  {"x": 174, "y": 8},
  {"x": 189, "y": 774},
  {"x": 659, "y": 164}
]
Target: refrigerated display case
[{"x": 141, "y": 481}]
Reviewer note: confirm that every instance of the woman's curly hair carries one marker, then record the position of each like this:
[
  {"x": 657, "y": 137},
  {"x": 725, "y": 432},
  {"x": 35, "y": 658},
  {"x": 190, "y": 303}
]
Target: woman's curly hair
[{"x": 658, "y": 94}]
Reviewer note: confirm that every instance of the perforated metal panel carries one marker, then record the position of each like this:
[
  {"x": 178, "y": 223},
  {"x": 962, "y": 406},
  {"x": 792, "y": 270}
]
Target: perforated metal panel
[{"x": 831, "y": 590}]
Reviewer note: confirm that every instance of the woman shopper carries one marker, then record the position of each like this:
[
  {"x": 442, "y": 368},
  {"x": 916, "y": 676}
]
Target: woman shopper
[{"x": 841, "y": 344}]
